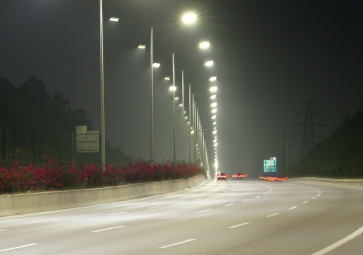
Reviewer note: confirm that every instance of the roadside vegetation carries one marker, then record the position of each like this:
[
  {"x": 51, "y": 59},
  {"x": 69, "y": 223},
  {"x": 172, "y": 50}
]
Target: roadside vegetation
[
  {"x": 339, "y": 156},
  {"x": 37, "y": 152}
]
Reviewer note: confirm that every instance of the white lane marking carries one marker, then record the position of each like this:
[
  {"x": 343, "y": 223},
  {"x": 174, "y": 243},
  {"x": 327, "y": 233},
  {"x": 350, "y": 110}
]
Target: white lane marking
[
  {"x": 229, "y": 204},
  {"x": 224, "y": 190},
  {"x": 153, "y": 207},
  {"x": 246, "y": 200},
  {"x": 19, "y": 247},
  {"x": 258, "y": 196},
  {"x": 167, "y": 246},
  {"x": 168, "y": 217},
  {"x": 318, "y": 195},
  {"x": 100, "y": 230},
  {"x": 66, "y": 220},
  {"x": 198, "y": 198},
  {"x": 2, "y": 230},
  {"x": 313, "y": 197},
  {"x": 205, "y": 210},
  {"x": 236, "y": 226},
  {"x": 272, "y": 215},
  {"x": 117, "y": 213},
  {"x": 292, "y": 208},
  {"x": 339, "y": 243},
  {"x": 305, "y": 202}
]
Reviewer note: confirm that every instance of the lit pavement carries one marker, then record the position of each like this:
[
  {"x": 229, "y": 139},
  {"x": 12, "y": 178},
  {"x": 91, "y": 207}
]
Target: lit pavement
[{"x": 218, "y": 217}]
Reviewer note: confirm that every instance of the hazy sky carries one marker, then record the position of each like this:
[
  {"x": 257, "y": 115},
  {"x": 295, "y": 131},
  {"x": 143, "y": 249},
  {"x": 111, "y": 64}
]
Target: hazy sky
[{"x": 270, "y": 56}]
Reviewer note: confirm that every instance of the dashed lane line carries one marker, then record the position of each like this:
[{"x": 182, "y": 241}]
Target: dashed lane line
[
  {"x": 174, "y": 244},
  {"x": 292, "y": 208},
  {"x": 105, "y": 229},
  {"x": 168, "y": 217},
  {"x": 19, "y": 247},
  {"x": 272, "y": 215},
  {"x": 239, "y": 225},
  {"x": 205, "y": 210},
  {"x": 229, "y": 204},
  {"x": 1, "y": 230},
  {"x": 117, "y": 213},
  {"x": 305, "y": 202},
  {"x": 153, "y": 207}
]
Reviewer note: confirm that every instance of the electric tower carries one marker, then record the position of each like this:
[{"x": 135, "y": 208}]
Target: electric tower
[{"x": 308, "y": 136}]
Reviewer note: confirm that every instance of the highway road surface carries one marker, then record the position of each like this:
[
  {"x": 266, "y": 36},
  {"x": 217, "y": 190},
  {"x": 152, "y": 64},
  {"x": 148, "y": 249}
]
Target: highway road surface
[{"x": 216, "y": 217}]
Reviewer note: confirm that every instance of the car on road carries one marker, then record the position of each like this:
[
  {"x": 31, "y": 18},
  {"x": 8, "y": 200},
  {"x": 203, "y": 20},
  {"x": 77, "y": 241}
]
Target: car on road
[
  {"x": 222, "y": 176},
  {"x": 238, "y": 176}
]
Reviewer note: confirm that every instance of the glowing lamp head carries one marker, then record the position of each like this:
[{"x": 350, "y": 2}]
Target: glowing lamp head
[{"x": 189, "y": 18}]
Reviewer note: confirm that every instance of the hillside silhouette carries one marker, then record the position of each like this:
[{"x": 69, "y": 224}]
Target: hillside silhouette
[{"x": 339, "y": 156}]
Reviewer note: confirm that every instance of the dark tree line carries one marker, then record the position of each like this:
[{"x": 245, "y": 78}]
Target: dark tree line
[
  {"x": 34, "y": 124},
  {"x": 341, "y": 155}
]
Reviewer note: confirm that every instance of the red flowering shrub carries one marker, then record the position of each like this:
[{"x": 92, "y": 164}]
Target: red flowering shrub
[{"x": 56, "y": 177}]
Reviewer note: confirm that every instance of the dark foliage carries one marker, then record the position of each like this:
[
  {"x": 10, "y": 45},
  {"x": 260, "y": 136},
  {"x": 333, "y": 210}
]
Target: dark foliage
[
  {"x": 339, "y": 156},
  {"x": 33, "y": 124}
]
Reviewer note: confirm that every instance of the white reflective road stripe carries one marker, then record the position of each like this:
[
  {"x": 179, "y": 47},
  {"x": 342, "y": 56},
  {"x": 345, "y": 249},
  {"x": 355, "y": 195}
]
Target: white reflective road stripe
[
  {"x": 170, "y": 245},
  {"x": 236, "y": 226},
  {"x": 107, "y": 229},
  {"x": 19, "y": 247},
  {"x": 339, "y": 243}
]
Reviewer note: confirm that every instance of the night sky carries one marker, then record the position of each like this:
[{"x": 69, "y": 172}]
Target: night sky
[{"x": 270, "y": 56}]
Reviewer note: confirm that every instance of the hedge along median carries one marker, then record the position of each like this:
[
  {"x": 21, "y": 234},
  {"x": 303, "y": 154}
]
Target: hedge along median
[{"x": 17, "y": 204}]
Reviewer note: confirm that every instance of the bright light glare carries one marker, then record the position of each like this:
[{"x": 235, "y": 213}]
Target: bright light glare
[
  {"x": 156, "y": 65},
  {"x": 214, "y": 117},
  {"x": 214, "y": 111},
  {"x": 209, "y": 63},
  {"x": 215, "y": 123},
  {"x": 214, "y": 132},
  {"x": 215, "y": 140},
  {"x": 189, "y": 18},
  {"x": 114, "y": 19},
  {"x": 215, "y": 145},
  {"x": 176, "y": 98},
  {"x": 172, "y": 88},
  {"x": 214, "y": 105},
  {"x": 192, "y": 132},
  {"x": 141, "y": 46},
  {"x": 213, "y": 78},
  {"x": 213, "y": 89},
  {"x": 204, "y": 45},
  {"x": 167, "y": 78},
  {"x": 186, "y": 117},
  {"x": 180, "y": 104},
  {"x": 213, "y": 97}
]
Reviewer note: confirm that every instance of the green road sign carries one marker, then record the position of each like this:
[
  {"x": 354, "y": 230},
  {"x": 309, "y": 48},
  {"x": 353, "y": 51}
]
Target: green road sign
[{"x": 269, "y": 166}]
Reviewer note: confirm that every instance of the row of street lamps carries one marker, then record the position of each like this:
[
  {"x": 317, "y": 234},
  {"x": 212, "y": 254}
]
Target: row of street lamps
[{"x": 194, "y": 119}]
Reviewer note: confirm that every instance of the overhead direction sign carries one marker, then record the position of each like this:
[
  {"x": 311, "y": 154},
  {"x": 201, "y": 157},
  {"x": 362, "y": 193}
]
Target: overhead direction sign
[{"x": 269, "y": 166}]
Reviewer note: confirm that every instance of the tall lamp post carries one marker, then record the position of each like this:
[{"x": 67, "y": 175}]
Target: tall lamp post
[{"x": 103, "y": 138}]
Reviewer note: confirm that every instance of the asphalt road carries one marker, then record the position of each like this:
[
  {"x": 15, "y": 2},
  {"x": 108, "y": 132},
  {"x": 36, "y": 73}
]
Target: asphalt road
[{"x": 218, "y": 217}]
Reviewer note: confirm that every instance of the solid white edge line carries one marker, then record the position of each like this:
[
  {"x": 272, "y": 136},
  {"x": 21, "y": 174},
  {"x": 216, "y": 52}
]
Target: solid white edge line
[
  {"x": 271, "y": 215},
  {"x": 340, "y": 242},
  {"x": 229, "y": 204},
  {"x": 292, "y": 207},
  {"x": 19, "y": 247},
  {"x": 205, "y": 210},
  {"x": 167, "y": 217},
  {"x": 95, "y": 231},
  {"x": 186, "y": 241},
  {"x": 239, "y": 225}
]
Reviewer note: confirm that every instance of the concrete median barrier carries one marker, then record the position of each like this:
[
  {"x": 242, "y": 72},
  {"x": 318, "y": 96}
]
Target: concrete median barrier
[{"x": 17, "y": 204}]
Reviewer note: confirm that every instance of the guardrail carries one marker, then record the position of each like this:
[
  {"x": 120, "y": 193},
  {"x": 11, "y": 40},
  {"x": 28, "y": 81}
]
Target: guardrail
[
  {"x": 342, "y": 182},
  {"x": 17, "y": 204}
]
